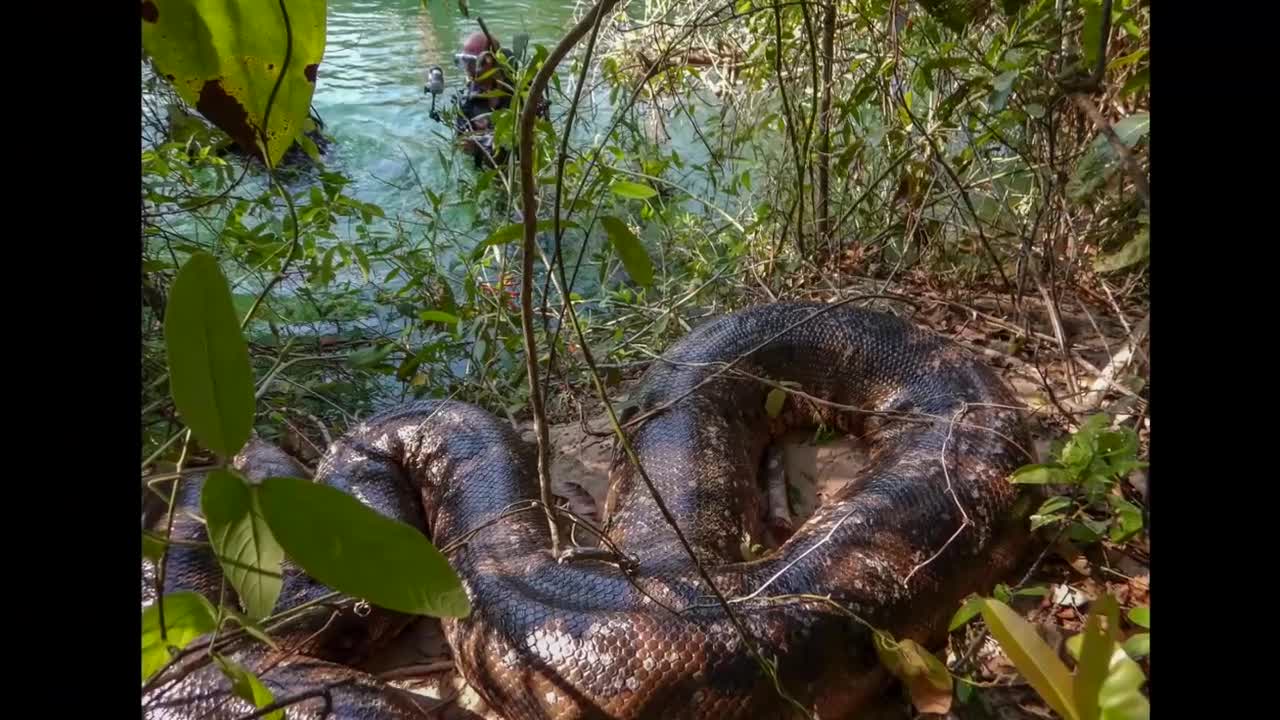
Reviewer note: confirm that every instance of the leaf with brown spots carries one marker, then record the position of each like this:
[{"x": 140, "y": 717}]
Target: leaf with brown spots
[
  {"x": 924, "y": 676},
  {"x": 224, "y": 57}
]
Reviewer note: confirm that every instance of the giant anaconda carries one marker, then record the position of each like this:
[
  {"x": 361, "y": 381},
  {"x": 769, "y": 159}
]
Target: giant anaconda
[{"x": 931, "y": 518}]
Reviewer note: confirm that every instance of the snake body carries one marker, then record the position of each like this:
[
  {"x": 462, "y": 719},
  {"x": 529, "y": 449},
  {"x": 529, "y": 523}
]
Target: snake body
[{"x": 930, "y": 519}]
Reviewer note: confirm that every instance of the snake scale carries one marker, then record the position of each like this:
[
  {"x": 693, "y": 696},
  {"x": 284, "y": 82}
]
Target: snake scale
[{"x": 928, "y": 520}]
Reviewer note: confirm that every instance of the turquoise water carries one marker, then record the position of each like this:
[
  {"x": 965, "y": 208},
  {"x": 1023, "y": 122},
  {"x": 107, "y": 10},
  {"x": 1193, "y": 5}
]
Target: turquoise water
[{"x": 370, "y": 86}]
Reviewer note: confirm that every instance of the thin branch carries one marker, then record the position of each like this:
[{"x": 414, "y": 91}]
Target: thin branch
[{"x": 529, "y": 203}]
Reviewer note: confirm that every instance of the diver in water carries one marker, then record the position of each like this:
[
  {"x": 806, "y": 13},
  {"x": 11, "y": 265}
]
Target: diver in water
[{"x": 489, "y": 89}]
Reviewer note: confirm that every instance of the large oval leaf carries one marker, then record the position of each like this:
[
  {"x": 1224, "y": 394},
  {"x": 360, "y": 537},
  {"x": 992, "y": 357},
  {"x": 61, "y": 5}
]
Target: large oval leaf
[
  {"x": 250, "y": 556},
  {"x": 224, "y": 57},
  {"x": 1032, "y": 657},
  {"x": 632, "y": 190},
  {"x": 634, "y": 257},
  {"x": 209, "y": 373},
  {"x": 354, "y": 549},
  {"x": 187, "y": 616}
]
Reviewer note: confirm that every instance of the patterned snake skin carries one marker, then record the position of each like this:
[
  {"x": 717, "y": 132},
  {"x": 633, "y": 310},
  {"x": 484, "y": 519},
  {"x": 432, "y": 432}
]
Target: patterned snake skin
[{"x": 929, "y": 519}]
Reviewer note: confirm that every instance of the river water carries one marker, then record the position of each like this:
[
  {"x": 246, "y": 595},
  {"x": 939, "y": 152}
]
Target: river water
[{"x": 370, "y": 86}]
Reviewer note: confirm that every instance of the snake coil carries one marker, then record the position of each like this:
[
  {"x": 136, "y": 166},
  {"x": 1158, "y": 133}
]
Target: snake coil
[{"x": 930, "y": 519}]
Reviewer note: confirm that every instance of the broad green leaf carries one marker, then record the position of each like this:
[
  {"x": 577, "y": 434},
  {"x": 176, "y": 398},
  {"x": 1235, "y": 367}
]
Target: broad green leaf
[
  {"x": 353, "y": 549},
  {"x": 515, "y": 231},
  {"x": 1141, "y": 616},
  {"x": 1136, "y": 82},
  {"x": 250, "y": 557},
  {"x": 1127, "y": 521},
  {"x": 1120, "y": 697},
  {"x": 209, "y": 372},
  {"x": 224, "y": 58},
  {"x": 1086, "y": 531},
  {"x": 187, "y": 616},
  {"x": 248, "y": 687},
  {"x": 967, "y": 612},
  {"x": 152, "y": 546},
  {"x": 309, "y": 147},
  {"x": 1100, "y": 161},
  {"x": 1054, "y": 504},
  {"x": 430, "y": 316},
  {"x": 632, "y": 190},
  {"x": 1032, "y": 657},
  {"x": 925, "y": 677},
  {"x": 634, "y": 257},
  {"x": 1138, "y": 646},
  {"x": 1095, "y": 657},
  {"x": 1137, "y": 250},
  {"x": 1001, "y": 86},
  {"x": 1040, "y": 475},
  {"x": 1091, "y": 33},
  {"x": 773, "y": 403}
]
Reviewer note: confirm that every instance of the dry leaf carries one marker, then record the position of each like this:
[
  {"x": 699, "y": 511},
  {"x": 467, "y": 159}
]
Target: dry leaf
[{"x": 923, "y": 674}]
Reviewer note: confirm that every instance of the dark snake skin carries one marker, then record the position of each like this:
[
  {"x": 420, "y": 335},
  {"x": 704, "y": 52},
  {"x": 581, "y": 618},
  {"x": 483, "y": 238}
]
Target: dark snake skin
[{"x": 582, "y": 639}]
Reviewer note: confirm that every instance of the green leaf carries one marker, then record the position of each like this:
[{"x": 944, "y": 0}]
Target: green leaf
[
  {"x": 953, "y": 14},
  {"x": 362, "y": 260},
  {"x": 187, "y": 616},
  {"x": 1138, "y": 646},
  {"x": 224, "y": 58},
  {"x": 1100, "y": 161},
  {"x": 1054, "y": 504},
  {"x": 248, "y": 687},
  {"x": 773, "y": 403},
  {"x": 1086, "y": 531},
  {"x": 250, "y": 626},
  {"x": 515, "y": 231},
  {"x": 1137, "y": 250},
  {"x": 430, "y": 316},
  {"x": 1040, "y": 475},
  {"x": 1001, "y": 86},
  {"x": 1091, "y": 33},
  {"x": 370, "y": 356},
  {"x": 355, "y": 550},
  {"x": 1136, "y": 82},
  {"x": 967, "y": 612},
  {"x": 309, "y": 147},
  {"x": 1032, "y": 657},
  {"x": 1141, "y": 616},
  {"x": 209, "y": 372},
  {"x": 1095, "y": 656},
  {"x": 1035, "y": 110},
  {"x": 250, "y": 557},
  {"x": 1127, "y": 521},
  {"x": 1120, "y": 697},
  {"x": 634, "y": 257},
  {"x": 925, "y": 677},
  {"x": 152, "y": 546},
  {"x": 632, "y": 190}
]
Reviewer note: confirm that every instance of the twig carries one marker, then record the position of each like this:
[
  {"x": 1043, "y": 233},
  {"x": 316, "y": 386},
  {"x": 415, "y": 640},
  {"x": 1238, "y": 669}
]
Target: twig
[
  {"x": 966, "y": 522},
  {"x": 529, "y": 204},
  {"x": 164, "y": 554},
  {"x": 1118, "y": 362}
]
